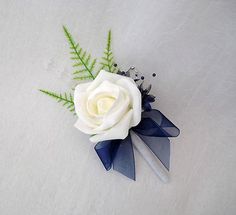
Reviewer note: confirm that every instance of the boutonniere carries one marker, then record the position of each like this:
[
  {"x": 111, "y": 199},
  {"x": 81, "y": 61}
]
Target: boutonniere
[{"x": 114, "y": 108}]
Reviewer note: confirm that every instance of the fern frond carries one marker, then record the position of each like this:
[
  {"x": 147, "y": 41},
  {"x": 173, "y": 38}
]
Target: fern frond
[
  {"x": 83, "y": 63},
  {"x": 107, "y": 61},
  {"x": 82, "y": 78},
  {"x": 65, "y": 99},
  {"x": 93, "y": 64}
]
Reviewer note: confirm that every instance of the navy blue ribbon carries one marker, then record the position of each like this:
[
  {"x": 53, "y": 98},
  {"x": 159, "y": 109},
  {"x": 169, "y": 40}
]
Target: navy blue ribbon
[{"x": 154, "y": 129}]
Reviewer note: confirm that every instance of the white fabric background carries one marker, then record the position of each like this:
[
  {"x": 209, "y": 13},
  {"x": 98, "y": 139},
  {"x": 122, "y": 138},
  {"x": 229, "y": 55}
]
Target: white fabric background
[{"x": 48, "y": 167}]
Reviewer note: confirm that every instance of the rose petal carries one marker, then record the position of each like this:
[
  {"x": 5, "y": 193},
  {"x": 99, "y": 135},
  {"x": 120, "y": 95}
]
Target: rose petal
[
  {"x": 80, "y": 102},
  {"x": 135, "y": 99},
  {"x": 105, "y": 89},
  {"x": 102, "y": 76},
  {"x": 80, "y": 88},
  {"x": 119, "y": 109},
  {"x": 84, "y": 128},
  {"x": 119, "y": 131}
]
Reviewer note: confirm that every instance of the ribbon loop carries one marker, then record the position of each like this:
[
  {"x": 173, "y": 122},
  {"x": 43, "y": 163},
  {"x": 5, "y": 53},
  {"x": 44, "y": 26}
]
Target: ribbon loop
[
  {"x": 155, "y": 124},
  {"x": 119, "y": 153},
  {"x": 106, "y": 151}
]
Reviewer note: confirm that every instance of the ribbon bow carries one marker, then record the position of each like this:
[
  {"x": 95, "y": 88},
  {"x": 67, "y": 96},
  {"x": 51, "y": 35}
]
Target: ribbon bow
[{"x": 153, "y": 129}]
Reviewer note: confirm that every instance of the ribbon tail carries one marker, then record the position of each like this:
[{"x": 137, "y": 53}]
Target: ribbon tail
[
  {"x": 124, "y": 159},
  {"x": 106, "y": 151},
  {"x": 151, "y": 159},
  {"x": 160, "y": 146}
]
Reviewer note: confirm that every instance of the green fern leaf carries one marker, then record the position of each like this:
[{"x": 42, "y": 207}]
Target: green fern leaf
[
  {"x": 66, "y": 100},
  {"x": 83, "y": 63},
  {"x": 107, "y": 61},
  {"x": 82, "y": 78}
]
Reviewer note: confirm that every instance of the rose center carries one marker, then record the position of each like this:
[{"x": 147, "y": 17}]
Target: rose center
[{"x": 104, "y": 105}]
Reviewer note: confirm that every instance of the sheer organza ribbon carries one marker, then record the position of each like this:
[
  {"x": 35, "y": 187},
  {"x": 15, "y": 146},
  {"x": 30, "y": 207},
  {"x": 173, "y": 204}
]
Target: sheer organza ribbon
[{"x": 154, "y": 130}]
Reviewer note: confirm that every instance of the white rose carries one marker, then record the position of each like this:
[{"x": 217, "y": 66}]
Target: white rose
[{"x": 107, "y": 107}]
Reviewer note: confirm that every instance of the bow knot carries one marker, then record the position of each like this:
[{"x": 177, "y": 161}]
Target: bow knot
[{"x": 153, "y": 129}]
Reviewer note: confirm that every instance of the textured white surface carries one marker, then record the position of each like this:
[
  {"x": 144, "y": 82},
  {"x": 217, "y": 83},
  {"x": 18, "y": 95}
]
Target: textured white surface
[{"x": 48, "y": 167}]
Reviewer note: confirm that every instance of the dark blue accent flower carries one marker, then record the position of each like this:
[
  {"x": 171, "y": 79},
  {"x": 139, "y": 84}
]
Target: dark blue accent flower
[{"x": 146, "y": 97}]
